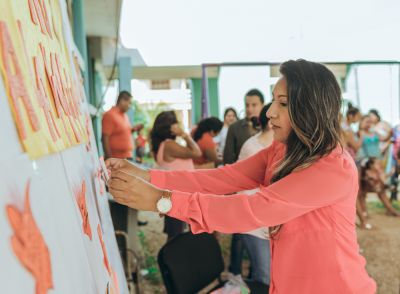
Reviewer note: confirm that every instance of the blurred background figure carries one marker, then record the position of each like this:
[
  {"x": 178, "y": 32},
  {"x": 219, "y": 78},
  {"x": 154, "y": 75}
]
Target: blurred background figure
[
  {"x": 230, "y": 117},
  {"x": 372, "y": 179},
  {"x": 350, "y": 129},
  {"x": 204, "y": 134},
  {"x": 117, "y": 130},
  {"x": 255, "y": 242},
  {"x": 369, "y": 140},
  {"x": 395, "y": 155},
  {"x": 243, "y": 129},
  {"x": 140, "y": 143},
  {"x": 238, "y": 133},
  {"x": 170, "y": 155},
  {"x": 118, "y": 142},
  {"x": 384, "y": 131}
]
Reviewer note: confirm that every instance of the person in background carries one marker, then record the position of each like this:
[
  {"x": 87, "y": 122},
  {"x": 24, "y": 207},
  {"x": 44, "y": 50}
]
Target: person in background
[
  {"x": 372, "y": 176},
  {"x": 243, "y": 129},
  {"x": 140, "y": 143},
  {"x": 370, "y": 140},
  {"x": 117, "y": 130},
  {"x": 170, "y": 155},
  {"x": 384, "y": 131},
  {"x": 372, "y": 179},
  {"x": 351, "y": 142},
  {"x": 260, "y": 140},
  {"x": 238, "y": 133},
  {"x": 117, "y": 142},
  {"x": 230, "y": 117},
  {"x": 394, "y": 179},
  {"x": 203, "y": 134},
  {"x": 255, "y": 242}
]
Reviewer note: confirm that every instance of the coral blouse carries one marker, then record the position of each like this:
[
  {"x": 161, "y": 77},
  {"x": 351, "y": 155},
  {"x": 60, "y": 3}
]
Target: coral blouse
[{"x": 316, "y": 250}]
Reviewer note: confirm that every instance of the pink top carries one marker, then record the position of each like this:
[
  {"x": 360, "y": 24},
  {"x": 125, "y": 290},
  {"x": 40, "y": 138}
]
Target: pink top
[
  {"x": 176, "y": 164},
  {"x": 316, "y": 250}
]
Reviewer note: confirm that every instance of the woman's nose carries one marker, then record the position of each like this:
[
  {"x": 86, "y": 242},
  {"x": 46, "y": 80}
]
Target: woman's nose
[{"x": 271, "y": 113}]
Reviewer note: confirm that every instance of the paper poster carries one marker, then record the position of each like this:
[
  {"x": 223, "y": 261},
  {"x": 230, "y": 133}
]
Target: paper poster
[
  {"x": 43, "y": 83},
  {"x": 68, "y": 233},
  {"x": 114, "y": 258},
  {"x": 12, "y": 194},
  {"x": 78, "y": 170},
  {"x": 56, "y": 230},
  {"x": 28, "y": 244},
  {"x": 53, "y": 228}
]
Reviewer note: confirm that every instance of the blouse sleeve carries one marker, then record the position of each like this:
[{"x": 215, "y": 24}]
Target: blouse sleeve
[
  {"x": 244, "y": 175},
  {"x": 321, "y": 184}
]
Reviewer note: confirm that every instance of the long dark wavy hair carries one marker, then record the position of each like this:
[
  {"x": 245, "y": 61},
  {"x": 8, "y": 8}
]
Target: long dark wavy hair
[
  {"x": 314, "y": 101},
  {"x": 207, "y": 125},
  {"x": 262, "y": 118},
  {"x": 161, "y": 130}
]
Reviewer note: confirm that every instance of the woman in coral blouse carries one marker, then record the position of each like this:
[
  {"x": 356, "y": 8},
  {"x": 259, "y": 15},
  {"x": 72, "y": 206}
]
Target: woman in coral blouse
[{"x": 308, "y": 189}]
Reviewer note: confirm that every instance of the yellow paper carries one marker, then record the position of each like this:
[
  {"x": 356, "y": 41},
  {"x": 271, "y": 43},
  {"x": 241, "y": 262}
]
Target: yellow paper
[{"x": 62, "y": 125}]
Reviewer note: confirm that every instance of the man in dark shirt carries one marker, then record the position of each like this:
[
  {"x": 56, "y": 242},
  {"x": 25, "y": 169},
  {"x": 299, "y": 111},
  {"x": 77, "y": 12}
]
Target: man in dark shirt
[
  {"x": 238, "y": 133},
  {"x": 243, "y": 129}
]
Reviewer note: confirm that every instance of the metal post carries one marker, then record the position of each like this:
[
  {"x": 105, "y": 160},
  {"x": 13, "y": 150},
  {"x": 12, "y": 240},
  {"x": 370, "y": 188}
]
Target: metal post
[
  {"x": 80, "y": 38},
  {"x": 205, "y": 110},
  {"x": 124, "y": 79}
]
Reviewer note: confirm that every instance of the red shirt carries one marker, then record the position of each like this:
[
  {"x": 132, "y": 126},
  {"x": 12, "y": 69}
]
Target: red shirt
[
  {"x": 116, "y": 125},
  {"x": 140, "y": 141},
  {"x": 205, "y": 142}
]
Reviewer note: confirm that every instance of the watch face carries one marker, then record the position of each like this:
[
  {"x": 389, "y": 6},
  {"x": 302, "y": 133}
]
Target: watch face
[{"x": 164, "y": 205}]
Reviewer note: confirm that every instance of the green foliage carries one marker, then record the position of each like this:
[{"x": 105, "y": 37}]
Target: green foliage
[
  {"x": 146, "y": 114},
  {"x": 151, "y": 265},
  {"x": 377, "y": 206}
]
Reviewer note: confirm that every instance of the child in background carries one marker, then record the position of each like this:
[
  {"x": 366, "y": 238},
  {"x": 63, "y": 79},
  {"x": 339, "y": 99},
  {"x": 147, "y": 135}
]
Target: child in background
[
  {"x": 140, "y": 143},
  {"x": 372, "y": 179}
]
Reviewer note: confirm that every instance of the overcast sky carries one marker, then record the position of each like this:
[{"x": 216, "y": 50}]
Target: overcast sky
[{"x": 182, "y": 32}]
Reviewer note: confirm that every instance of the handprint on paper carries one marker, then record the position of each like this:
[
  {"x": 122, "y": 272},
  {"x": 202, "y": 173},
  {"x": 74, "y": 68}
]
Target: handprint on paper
[
  {"x": 115, "y": 280},
  {"x": 88, "y": 132},
  {"x": 103, "y": 247},
  {"x": 81, "y": 199},
  {"x": 100, "y": 181},
  {"x": 29, "y": 245}
]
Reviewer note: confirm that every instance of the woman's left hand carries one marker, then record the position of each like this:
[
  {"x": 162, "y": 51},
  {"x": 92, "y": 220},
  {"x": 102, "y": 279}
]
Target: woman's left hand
[{"x": 133, "y": 191}]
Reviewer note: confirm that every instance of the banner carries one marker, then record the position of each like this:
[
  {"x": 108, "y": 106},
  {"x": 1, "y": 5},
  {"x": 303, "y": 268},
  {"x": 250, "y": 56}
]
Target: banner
[
  {"x": 42, "y": 76},
  {"x": 56, "y": 229}
]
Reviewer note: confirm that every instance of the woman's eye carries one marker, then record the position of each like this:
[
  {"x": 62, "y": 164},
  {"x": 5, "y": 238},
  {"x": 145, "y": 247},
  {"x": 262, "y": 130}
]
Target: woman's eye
[{"x": 283, "y": 104}]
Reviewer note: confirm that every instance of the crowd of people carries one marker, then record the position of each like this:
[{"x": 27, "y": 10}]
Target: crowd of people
[{"x": 372, "y": 143}]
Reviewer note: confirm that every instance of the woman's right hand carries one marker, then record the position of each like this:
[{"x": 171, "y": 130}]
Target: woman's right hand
[
  {"x": 117, "y": 164},
  {"x": 177, "y": 131}
]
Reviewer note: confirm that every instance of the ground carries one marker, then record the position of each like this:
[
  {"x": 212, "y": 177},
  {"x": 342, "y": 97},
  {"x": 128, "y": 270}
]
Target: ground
[{"x": 380, "y": 246}]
